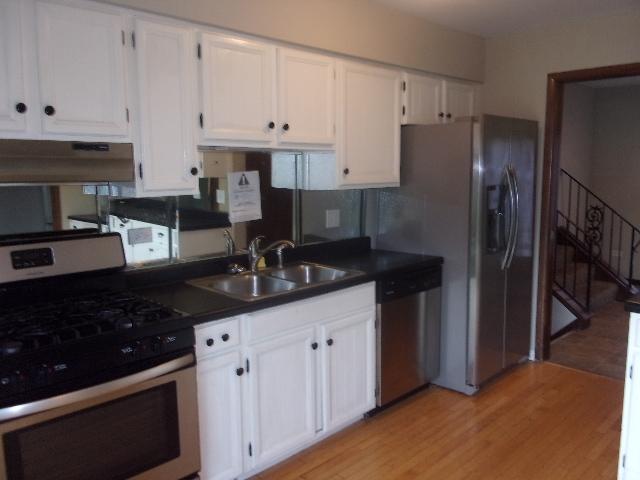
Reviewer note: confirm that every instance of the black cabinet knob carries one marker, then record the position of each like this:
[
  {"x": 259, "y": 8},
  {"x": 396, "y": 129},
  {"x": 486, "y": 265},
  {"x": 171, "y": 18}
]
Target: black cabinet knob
[
  {"x": 285, "y": 127},
  {"x": 441, "y": 114},
  {"x": 49, "y": 110},
  {"x": 21, "y": 107},
  {"x": 330, "y": 342},
  {"x": 194, "y": 171},
  {"x": 240, "y": 371},
  {"x": 345, "y": 171},
  {"x": 225, "y": 337},
  {"x": 209, "y": 342},
  {"x": 448, "y": 115},
  {"x": 271, "y": 125},
  {"x": 314, "y": 345}
]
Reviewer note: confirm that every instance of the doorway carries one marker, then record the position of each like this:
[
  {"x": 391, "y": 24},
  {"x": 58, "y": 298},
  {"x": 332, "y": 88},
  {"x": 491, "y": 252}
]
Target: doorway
[{"x": 577, "y": 236}]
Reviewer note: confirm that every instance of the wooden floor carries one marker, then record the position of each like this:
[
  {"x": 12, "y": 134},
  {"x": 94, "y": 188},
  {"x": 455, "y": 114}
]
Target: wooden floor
[
  {"x": 601, "y": 348},
  {"x": 541, "y": 421}
]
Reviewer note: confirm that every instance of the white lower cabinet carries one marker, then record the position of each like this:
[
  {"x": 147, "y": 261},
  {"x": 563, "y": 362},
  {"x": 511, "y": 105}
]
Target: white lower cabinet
[
  {"x": 220, "y": 408},
  {"x": 282, "y": 394},
  {"x": 348, "y": 368},
  {"x": 285, "y": 378},
  {"x": 629, "y": 463}
]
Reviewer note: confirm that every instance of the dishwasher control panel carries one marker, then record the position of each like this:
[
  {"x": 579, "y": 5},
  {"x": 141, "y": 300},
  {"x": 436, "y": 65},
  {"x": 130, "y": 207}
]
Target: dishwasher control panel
[{"x": 402, "y": 284}]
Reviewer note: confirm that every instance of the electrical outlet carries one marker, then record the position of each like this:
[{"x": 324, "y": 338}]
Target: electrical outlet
[{"x": 332, "y": 218}]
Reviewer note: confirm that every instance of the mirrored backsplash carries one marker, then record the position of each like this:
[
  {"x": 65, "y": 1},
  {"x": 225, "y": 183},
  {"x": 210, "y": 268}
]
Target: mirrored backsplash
[{"x": 160, "y": 230}]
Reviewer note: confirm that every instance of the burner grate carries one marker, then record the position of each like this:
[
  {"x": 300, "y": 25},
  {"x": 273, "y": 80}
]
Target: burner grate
[{"x": 39, "y": 325}]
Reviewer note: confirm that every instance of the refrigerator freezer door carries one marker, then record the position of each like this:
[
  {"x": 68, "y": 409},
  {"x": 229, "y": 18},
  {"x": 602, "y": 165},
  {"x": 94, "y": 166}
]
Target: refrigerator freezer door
[
  {"x": 487, "y": 278},
  {"x": 519, "y": 297}
]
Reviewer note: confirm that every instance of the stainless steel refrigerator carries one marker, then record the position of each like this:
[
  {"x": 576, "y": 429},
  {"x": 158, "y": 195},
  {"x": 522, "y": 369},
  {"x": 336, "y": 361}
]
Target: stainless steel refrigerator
[{"x": 468, "y": 194}]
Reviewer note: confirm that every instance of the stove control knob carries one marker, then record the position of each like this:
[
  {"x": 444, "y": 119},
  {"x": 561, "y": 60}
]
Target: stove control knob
[
  {"x": 41, "y": 375},
  {"x": 130, "y": 350},
  {"x": 156, "y": 345}
]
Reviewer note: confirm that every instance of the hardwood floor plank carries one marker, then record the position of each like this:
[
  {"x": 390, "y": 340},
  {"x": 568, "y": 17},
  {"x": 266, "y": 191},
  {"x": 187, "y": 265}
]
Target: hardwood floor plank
[{"x": 540, "y": 421}]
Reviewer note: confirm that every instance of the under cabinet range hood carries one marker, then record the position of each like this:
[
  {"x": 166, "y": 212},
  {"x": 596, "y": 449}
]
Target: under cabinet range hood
[{"x": 59, "y": 162}]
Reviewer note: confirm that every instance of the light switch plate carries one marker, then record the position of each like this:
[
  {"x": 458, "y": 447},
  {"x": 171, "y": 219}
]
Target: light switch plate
[
  {"x": 220, "y": 196},
  {"x": 332, "y": 218}
]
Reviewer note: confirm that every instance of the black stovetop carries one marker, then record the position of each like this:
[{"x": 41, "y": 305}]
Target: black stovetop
[{"x": 27, "y": 328}]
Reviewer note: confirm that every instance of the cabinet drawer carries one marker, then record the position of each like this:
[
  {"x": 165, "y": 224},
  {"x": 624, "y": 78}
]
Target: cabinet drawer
[
  {"x": 277, "y": 320},
  {"x": 216, "y": 336}
]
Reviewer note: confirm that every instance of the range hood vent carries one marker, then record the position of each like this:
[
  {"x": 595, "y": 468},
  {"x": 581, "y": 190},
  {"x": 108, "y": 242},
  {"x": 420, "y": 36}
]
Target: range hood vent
[{"x": 56, "y": 162}]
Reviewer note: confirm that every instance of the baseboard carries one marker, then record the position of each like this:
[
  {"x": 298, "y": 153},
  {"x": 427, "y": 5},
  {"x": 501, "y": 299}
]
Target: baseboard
[{"x": 575, "y": 325}]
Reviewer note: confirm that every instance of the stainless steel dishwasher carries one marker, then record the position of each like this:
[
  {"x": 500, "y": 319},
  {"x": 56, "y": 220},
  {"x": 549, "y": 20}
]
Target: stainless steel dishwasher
[{"x": 408, "y": 332}]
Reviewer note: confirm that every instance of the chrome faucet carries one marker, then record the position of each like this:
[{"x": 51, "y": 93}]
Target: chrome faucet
[
  {"x": 230, "y": 244},
  {"x": 255, "y": 254}
]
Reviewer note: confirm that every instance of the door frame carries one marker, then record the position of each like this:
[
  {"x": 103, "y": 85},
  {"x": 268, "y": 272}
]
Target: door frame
[{"x": 550, "y": 175}]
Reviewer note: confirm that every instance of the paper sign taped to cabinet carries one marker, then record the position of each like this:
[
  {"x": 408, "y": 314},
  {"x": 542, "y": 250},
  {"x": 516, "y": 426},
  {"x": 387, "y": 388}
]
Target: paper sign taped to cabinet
[{"x": 244, "y": 196}]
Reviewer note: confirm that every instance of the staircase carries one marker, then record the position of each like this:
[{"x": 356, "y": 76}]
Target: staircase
[{"x": 595, "y": 251}]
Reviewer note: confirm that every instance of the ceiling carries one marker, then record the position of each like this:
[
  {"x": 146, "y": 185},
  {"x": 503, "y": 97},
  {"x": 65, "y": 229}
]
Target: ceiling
[{"x": 490, "y": 18}]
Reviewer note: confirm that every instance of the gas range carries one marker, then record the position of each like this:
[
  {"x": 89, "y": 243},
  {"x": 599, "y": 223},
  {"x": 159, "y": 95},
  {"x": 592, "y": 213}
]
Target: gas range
[
  {"x": 90, "y": 371},
  {"x": 52, "y": 342}
]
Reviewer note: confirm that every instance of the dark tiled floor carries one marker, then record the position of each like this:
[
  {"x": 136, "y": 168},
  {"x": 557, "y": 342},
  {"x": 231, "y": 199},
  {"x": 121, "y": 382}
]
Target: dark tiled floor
[{"x": 601, "y": 348}]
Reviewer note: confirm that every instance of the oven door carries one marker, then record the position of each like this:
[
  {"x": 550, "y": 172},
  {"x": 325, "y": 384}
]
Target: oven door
[{"x": 144, "y": 426}]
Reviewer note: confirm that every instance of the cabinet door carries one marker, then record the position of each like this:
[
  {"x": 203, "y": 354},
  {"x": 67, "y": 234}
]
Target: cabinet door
[
  {"x": 237, "y": 90},
  {"x": 368, "y": 126},
  {"x": 348, "y": 365},
  {"x": 306, "y": 98},
  {"x": 220, "y": 413},
  {"x": 459, "y": 100},
  {"x": 631, "y": 419},
  {"x": 282, "y": 381},
  {"x": 81, "y": 71},
  {"x": 422, "y": 100},
  {"x": 12, "y": 77},
  {"x": 166, "y": 76}
]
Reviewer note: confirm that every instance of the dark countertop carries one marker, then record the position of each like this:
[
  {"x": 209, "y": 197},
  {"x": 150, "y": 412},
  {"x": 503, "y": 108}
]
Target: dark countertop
[
  {"x": 155, "y": 212},
  {"x": 204, "y": 306},
  {"x": 166, "y": 284},
  {"x": 633, "y": 304},
  {"x": 89, "y": 219}
]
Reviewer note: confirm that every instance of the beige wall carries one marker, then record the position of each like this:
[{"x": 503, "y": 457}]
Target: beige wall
[
  {"x": 359, "y": 28},
  {"x": 615, "y": 160},
  {"x": 74, "y": 202},
  {"x": 577, "y": 131},
  {"x": 517, "y": 65}
]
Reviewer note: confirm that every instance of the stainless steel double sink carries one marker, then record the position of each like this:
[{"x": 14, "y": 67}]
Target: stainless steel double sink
[{"x": 249, "y": 286}]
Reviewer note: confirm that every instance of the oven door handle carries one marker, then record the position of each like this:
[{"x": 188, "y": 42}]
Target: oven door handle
[{"x": 10, "y": 413}]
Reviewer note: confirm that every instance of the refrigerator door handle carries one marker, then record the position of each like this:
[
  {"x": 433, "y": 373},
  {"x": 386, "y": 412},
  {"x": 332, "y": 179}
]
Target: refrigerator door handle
[
  {"x": 512, "y": 204},
  {"x": 515, "y": 215}
]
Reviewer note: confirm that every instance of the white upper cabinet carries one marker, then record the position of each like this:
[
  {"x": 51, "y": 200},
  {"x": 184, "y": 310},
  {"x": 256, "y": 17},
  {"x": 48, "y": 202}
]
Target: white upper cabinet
[
  {"x": 368, "y": 125},
  {"x": 13, "y": 100},
  {"x": 428, "y": 100},
  {"x": 81, "y": 71},
  {"x": 459, "y": 100},
  {"x": 166, "y": 67},
  {"x": 237, "y": 78},
  {"x": 422, "y": 99},
  {"x": 306, "y": 98}
]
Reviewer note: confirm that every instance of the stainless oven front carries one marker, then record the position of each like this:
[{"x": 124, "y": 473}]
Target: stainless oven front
[{"x": 143, "y": 426}]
